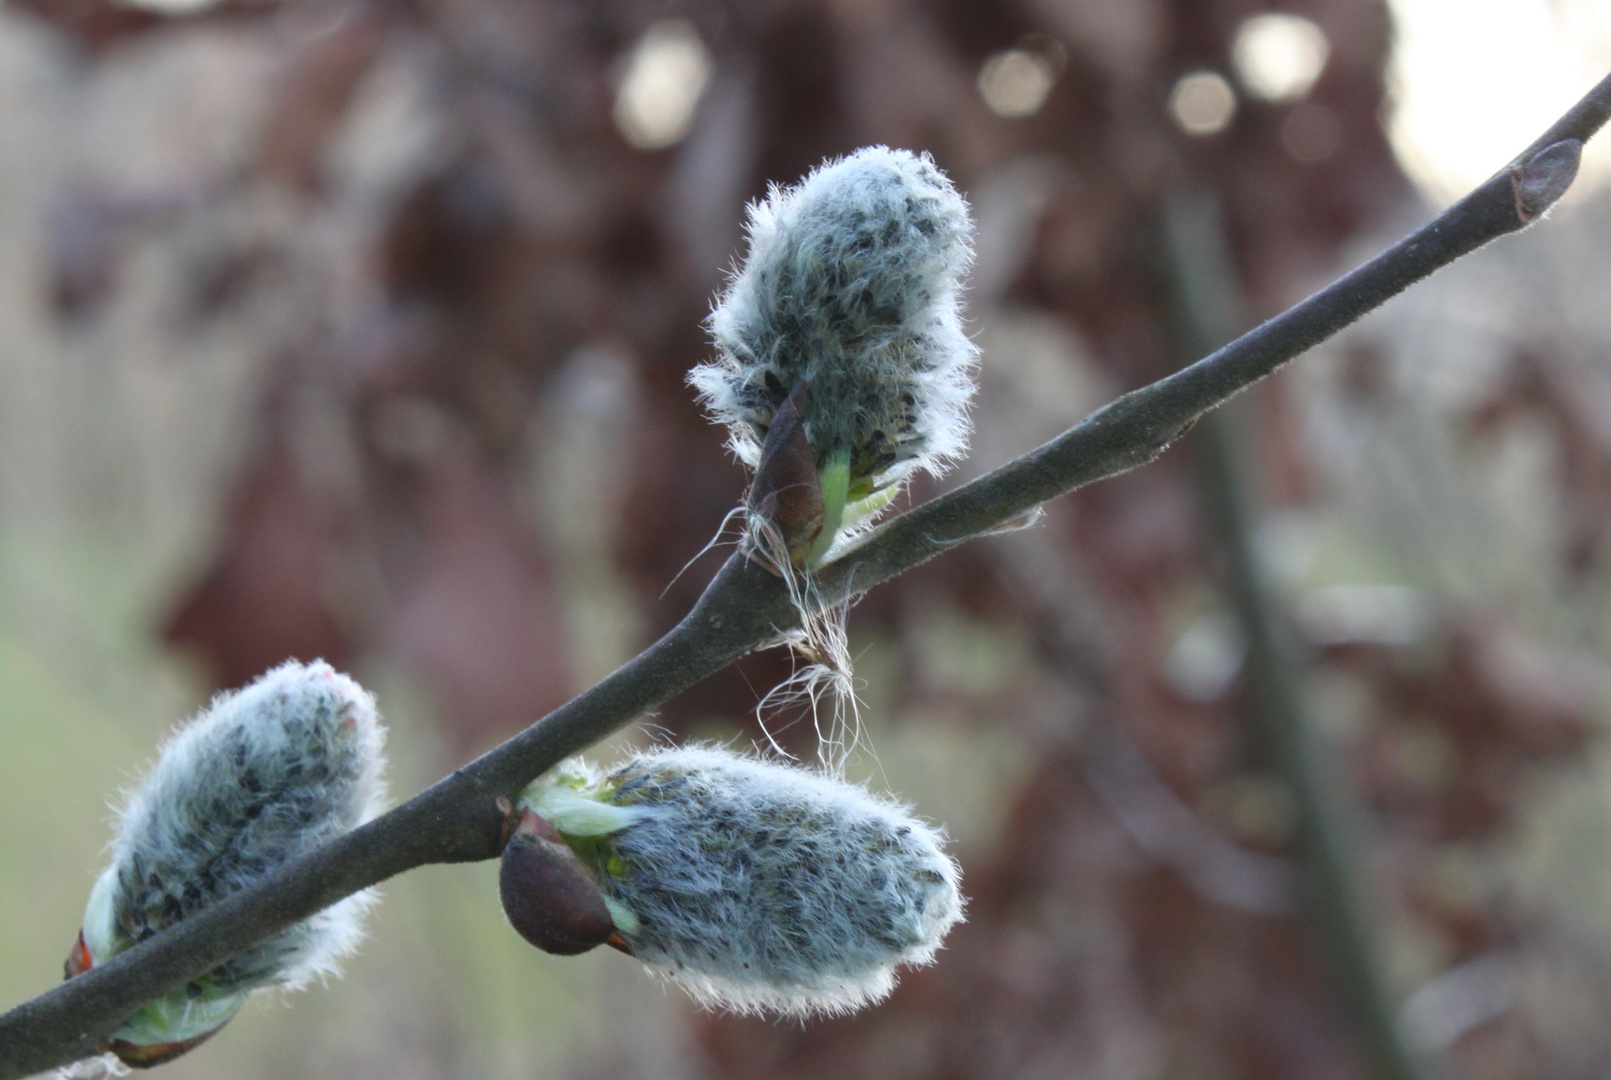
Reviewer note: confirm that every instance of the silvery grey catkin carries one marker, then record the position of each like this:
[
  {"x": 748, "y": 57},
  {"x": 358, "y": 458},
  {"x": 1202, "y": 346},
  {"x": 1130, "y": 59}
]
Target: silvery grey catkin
[
  {"x": 264, "y": 775},
  {"x": 758, "y": 887},
  {"x": 851, "y": 286}
]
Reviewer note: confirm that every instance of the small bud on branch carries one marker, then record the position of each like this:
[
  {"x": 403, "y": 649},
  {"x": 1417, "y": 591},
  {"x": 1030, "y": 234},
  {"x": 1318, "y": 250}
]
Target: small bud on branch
[{"x": 1544, "y": 177}]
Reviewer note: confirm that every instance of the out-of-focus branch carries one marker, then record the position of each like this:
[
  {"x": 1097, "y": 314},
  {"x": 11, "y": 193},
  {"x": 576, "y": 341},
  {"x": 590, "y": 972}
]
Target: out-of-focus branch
[
  {"x": 745, "y": 608},
  {"x": 1208, "y": 309},
  {"x": 1049, "y": 586}
]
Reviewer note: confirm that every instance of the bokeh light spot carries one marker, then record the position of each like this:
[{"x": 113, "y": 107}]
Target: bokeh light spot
[
  {"x": 1472, "y": 82},
  {"x": 1015, "y": 83},
  {"x": 1202, "y": 103},
  {"x": 1278, "y": 57},
  {"x": 662, "y": 82}
]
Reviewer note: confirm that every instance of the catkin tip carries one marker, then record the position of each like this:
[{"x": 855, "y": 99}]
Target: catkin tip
[{"x": 852, "y": 283}]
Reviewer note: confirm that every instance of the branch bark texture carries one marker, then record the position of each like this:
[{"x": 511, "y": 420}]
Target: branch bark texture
[{"x": 745, "y": 608}]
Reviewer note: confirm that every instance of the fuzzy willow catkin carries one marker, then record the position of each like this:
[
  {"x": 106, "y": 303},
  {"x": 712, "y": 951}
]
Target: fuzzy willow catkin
[
  {"x": 851, "y": 287},
  {"x": 264, "y": 775},
  {"x": 758, "y": 887}
]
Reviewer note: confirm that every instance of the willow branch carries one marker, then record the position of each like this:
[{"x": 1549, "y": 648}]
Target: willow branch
[{"x": 744, "y": 608}]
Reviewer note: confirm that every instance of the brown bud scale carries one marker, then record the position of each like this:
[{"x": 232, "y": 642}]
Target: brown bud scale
[
  {"x": 547, "y": 894},
  {"x": 787, "y": 490},
  {"x": 136, "y": 1056}
]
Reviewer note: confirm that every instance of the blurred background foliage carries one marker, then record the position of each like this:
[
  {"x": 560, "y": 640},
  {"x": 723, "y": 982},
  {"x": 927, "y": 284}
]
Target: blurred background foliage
[{"x": 358, "y": 330}]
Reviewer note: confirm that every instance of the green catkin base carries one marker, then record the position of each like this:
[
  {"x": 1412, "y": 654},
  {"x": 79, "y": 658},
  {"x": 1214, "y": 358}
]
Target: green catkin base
[{"x": 835, "y": 491}]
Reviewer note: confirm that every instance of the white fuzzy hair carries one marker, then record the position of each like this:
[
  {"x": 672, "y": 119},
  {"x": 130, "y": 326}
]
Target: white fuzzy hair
[
  {"x": 852, "y": 282},
  {"x": 852, "y": 285},
  {"x": 763, "y": 887},
  {"x": 262, "y": 776}
]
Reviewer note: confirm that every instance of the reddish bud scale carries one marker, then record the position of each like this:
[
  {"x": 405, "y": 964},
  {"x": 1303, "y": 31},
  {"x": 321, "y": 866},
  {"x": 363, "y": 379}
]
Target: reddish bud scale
[
  {"x": 78, "y": 958},
  {"x": 134, "y": 1055},
  {"x": 149, "y": 1056},
  {"x": 547, "y": 894},
  {"x": 786, "y": 490}
]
